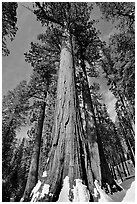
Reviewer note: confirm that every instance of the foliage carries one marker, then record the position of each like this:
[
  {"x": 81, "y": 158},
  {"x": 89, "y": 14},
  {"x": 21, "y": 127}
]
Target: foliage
[
  {"x": 15, "y": 175},
  {"x": 9, "y": 21},
  {"x": 15, "y": 107},
  {"x": 22, "y": 105},
  {"x": 111, "y": 142},
  {"x": 119, "y": 60},
  {"x": 124, "y": 12}
]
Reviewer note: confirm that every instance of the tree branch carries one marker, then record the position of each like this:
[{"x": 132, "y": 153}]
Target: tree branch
[
  {"x": 48, "y": 18},
  {"x": 27, "y": 8},
  {"x": 38, "y": 98}
]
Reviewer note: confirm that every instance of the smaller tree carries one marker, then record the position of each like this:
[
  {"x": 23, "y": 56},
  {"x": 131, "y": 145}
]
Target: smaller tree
[
  {"x": 15, "y": 106},
  {"x": 40, "y": 86}
]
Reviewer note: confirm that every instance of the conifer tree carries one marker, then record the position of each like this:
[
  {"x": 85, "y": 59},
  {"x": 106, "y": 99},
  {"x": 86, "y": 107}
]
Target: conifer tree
[{"x": 65, "y": 159}]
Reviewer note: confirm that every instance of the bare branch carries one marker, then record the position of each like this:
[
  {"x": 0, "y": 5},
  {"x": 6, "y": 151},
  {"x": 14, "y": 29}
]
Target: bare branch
[{"x": 27, "y": 8}]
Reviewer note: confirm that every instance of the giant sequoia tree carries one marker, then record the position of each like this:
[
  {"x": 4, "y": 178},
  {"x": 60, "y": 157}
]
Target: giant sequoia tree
[
  {"x": 82, "y": 155},
  {"x": 66, "y": 158}
]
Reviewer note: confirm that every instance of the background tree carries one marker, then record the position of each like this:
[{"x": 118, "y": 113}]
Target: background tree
[
  {"x": 15, "y": 107},
  {"x": 40, "y": 86},
  {"x": 15, "y": 180},
  {"x": 120, "y": 64}
]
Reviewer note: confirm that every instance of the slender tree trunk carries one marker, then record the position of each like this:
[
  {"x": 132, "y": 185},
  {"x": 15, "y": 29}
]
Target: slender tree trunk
[
  {"x": 126, "y": 168},
  {"x": 114, "y": 173},
  {"x": 119, "y": 173},
  {"x": 66, "y": 159},
  {"x": 122, "y": 163},
  {"x": 107, "y": 177},
  {"x": 128, "y": 144},
  {"x": 34, "y": 166},
  {"x": 127, "y": 115},
  {"x": 130, "y": 109}
]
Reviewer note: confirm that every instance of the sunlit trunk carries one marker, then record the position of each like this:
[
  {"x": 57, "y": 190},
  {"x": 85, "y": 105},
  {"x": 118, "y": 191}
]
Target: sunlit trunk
[{"x": 66, "y": 159}]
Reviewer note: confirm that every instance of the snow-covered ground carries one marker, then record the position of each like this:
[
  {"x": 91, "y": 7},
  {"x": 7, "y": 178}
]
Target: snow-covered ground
[
  {"x": 128, "y": 194},
  {"x": 81, "y": 195}
]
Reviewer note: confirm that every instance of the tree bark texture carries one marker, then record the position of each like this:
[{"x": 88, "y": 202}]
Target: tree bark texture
[
  {"x": 102, "y": 166},
  {"x": 67, "y": 155},
  {"x": 34, "y": 166},
  {"x": 91, "y": 139}
]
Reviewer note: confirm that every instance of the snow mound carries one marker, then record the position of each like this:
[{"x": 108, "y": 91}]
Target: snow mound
[
  {"x": 80, "y": 191},
  {"x": 44, "y": 174},
  {"x": 103, "y": 196},
  {"x": 64, "y": 194},
  {"x": 130, "y": 195},
  {"x": 35, "y": 192},
  {"x": 45, "y": 190}
]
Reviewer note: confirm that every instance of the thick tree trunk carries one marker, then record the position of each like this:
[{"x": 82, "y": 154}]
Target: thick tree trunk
[
  {"x": 66, "y": 159},
  {"x": 92, "y": 160},
  {"x": 34, "y": 166},
  {"x": 90, "y": 121},
  {"x": 106, "y": 176}
]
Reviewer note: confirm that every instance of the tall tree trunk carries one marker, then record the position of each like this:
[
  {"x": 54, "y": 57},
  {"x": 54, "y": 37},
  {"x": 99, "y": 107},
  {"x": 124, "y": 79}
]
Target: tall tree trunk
[
  {"x": 66, "y": 159},
  {"x": 128, "y": 144},
  {"x": 127, "y": 117},
  {"x": 118, "y": 148},
  {"x": 106, "y": 176},
  {"x": 130, "y": 109},
  {"x": 113, "y": 171},
  {"x": 92, "y": 161},
  {"x": 122, "y": 163},
  {"x": 34, "y": 166},
  {"x": 126, "y": 168},
  {"x": 118, "y": 171}
]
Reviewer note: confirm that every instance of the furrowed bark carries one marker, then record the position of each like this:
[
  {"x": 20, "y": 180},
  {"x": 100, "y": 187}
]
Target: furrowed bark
[
  {"x": 34, "y": 166},
  {"x": 66, "y": 156},
  {"x": 92, "y": 160},
  {"x": 106, "y": 176}
]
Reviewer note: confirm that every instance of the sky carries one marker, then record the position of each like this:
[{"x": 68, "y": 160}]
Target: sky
[{"x": 14, "y": 67}]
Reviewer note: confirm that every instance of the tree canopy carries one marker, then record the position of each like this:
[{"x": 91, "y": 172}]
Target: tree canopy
[{"x": 9, "y": 21}]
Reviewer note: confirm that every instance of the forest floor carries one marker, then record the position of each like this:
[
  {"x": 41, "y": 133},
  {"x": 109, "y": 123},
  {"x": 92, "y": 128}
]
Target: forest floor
[{"x": 128, "y": 194}]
